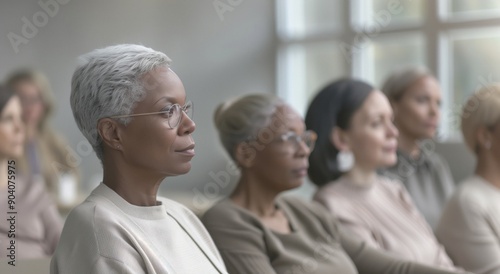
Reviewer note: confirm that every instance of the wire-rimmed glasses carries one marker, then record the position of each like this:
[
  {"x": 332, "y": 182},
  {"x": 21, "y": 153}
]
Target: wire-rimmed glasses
[
  {"x": 308, "y": 137},
  {"x": 173, "y": 113}
]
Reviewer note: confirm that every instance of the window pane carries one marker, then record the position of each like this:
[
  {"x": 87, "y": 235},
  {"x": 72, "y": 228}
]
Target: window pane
[
  {"x": 389, "y": 52},
  {"x": 377, "y": 11},
  {"x": 299, "y": 18},
  {"x": 476, "y": 62},
  {"x": 309, "y": 67},
  {"x": 473, "y": 6}
]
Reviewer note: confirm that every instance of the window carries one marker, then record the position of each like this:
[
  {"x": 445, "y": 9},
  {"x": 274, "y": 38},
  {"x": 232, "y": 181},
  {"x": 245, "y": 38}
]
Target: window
[{"x": 323, "y": 40}]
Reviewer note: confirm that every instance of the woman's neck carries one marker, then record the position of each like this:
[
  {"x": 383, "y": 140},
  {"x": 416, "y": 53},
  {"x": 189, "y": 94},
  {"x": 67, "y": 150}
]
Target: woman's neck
[
  {"x": 408, "y": 145},
  {"x": 136, "y": 187},
  {"x": 31, "y": 133},
  {"x": 361, "y": 176},
  {"x": 251, "y": 195},
  {"x": 487, "y": 169}
]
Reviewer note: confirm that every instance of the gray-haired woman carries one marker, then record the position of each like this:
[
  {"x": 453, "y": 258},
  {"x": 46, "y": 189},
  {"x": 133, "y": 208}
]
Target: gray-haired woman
[
  {"x": 415, "y": 96},
  {"x": 132, "y": 108}
]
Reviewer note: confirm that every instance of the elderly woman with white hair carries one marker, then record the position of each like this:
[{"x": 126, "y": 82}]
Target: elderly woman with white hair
[
  {"x": 470, "y": 226},
  {"x": 415, "y": 97},
  {"x": 132, "y": 108}
]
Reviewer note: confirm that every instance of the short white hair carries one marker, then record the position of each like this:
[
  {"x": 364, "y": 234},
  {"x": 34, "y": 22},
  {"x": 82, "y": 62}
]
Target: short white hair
[{"x": 109, "y": 82}]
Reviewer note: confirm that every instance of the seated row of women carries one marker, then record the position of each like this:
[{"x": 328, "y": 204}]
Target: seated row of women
[{"x": 132, "y": 108}]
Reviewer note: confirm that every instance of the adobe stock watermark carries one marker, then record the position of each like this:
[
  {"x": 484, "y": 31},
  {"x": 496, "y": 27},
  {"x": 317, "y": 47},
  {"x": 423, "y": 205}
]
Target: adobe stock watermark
[
  {"x": 223, "y": 6},
  {"x": 39, "y": 19},
  {"x": 381, "y": 20}
]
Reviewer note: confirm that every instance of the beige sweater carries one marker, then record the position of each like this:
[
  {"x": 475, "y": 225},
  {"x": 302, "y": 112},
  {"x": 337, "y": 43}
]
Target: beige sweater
[
  {"x": 470, "y": 226},
  {"x": 315, "y": 245},
  {"x": 106, "y": 234},
  {"x": 383, "y": 215},
  {"x": 38, "y": 223}
]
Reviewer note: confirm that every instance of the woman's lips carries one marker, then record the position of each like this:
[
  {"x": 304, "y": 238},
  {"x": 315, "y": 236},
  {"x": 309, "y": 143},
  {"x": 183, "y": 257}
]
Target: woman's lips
[
  {"x": 300, "y": 171},
  {"x": 189, "y": 150},
  {"x": 432, "y": 125},
  {"x": 390, "y": 148}
]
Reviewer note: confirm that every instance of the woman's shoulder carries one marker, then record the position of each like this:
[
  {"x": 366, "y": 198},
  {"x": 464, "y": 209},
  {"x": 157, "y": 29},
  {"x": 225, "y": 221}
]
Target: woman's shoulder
[
  {"x": 390, "y": 184},
  {"x": 474, "y": 190},
  {"x": 298, "y": 204},
  {"x": 226, "y": 213},
  {"x": 331, "y": 189}
]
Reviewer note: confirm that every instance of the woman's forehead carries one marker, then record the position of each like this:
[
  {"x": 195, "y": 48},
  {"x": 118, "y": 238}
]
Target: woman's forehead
[
  {"x": 163, "y": 86},
  {"x": 288, "y": 117}
]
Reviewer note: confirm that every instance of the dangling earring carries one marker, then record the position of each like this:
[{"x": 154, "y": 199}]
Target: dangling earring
[{"x": 345, "y": 160}]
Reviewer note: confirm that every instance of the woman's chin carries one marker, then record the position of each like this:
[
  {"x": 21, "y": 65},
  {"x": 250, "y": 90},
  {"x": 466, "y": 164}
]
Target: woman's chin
[
  {"x": 389, "y": 162},
  {"x": 180, "y": 170},
  {"x": 295, "y": 184}
]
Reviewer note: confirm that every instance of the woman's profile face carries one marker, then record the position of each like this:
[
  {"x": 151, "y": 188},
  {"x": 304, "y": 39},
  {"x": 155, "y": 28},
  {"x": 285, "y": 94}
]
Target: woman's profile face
[
  {"x": 11, "y": 129},
  {"x": 280, "y": 163},
  {"x": 372, "y": 136},
  {"x": 32, "y": 103},
  {"x": 417, "y": 111},
  {"x": 149, "y": 143}
]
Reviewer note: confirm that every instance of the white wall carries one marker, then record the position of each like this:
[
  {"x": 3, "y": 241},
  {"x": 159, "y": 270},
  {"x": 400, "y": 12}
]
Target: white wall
[{"x": 216, "y": 59}]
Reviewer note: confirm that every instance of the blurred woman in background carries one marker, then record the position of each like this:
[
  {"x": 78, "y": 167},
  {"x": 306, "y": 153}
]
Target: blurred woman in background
[
  {"x": 415, "y": 97},
  {"x": 46, "y": 153},
  {"x": 37, "y": 224},
  {"x": 259, "y": 231},
  {"x": 470, "y": 225},
  {"x": 356, "y": 136}
]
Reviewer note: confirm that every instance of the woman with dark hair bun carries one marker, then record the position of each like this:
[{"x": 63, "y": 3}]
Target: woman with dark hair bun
[{"x": 356, "y": 136}]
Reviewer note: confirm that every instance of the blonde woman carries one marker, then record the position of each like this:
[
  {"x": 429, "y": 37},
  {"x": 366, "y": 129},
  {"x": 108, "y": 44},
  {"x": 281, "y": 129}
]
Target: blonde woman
[
  {"x": 415, "y": 97},
  {"x": 46, "y": 153},
  {"x": 470, "y": 225},
  {"x": 37, "y": 224}
]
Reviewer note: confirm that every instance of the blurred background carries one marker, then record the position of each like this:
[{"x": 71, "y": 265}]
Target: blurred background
[{"x": 225, "y": 48}]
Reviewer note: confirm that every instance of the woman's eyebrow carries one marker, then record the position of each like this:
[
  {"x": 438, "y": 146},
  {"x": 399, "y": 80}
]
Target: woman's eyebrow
[{"x": 165, "y": 98}]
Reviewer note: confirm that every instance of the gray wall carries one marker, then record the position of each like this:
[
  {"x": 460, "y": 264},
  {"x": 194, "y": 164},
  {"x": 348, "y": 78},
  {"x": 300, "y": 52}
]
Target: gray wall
[
  {"x": 460, "y": 158},
  {"x": 217, "y": 57}
]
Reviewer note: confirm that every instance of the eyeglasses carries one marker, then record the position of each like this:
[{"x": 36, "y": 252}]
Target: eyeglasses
[
  {"x": 173, "y": 113},
  {"x": 308, "y": 137}
]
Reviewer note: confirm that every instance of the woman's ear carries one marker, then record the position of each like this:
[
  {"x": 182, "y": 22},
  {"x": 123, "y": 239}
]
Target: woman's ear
[
  {"x": 245, "y": 154},
  {"x": 339, "y": 139},
  {"x": 484, "y": 138},
  {"x": 109, "y": 131}
]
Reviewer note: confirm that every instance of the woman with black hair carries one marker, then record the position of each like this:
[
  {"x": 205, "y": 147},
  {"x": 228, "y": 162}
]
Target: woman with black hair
[{"x": 356, "y": 136}]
